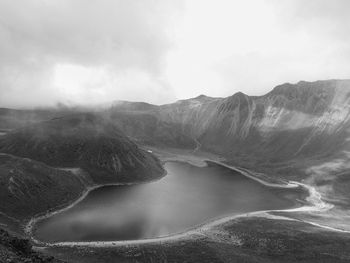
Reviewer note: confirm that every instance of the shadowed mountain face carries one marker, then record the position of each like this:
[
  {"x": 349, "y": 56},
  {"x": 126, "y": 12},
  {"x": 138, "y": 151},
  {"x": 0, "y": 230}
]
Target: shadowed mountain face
[{"x": 86, "y": 141}]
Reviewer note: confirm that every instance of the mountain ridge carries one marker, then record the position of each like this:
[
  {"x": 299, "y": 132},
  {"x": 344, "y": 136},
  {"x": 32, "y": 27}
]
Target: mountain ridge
[{"x": 296, "y": 131}]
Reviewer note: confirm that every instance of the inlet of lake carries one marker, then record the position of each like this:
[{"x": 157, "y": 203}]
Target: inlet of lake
[{"x": 186, "y": 197}]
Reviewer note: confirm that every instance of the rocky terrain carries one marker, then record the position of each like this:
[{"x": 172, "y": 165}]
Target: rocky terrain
[{"x": 298, "y": 132}]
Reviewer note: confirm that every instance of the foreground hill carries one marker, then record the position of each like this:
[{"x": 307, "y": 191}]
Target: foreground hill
[
  {"x": 17, "y": 250},
  {"x": 85, "y": 141},
  {"x": 29, "y": 187}
]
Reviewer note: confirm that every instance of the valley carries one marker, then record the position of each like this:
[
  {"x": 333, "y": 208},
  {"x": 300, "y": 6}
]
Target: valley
[{"x": 295, "y": 135}]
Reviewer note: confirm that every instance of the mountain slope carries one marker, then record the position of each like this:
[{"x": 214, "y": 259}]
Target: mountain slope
[
  {"x": 29, "y": 187},
  {"x": 288, "y": 122},
  {"x": 15, "y": 249},
  {"x": 86, "y": 141},
  {"x": 296, "y": 131}
]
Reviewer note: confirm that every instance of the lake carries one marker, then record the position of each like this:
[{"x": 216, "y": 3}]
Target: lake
[{"x": 187, "y": 196}]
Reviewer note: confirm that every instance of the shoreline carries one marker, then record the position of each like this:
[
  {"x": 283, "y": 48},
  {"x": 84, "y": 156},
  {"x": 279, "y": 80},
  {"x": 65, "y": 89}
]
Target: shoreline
[
  {"x": 290, "y": 184},
  {"x": 30, "y": 224},
  {"x": 200, "y": 229},
  {"x": 314, "y": 199}
]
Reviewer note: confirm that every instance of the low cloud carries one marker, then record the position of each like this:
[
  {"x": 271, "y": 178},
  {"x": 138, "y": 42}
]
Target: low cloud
[
  {"x": 120, "y": 36},
  {"x": 91, "y": 52}
]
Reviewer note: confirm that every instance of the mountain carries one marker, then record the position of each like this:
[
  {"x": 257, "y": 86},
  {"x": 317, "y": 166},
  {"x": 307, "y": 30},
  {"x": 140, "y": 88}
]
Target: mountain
[
  {"x": 296, "y": 131},
  {"x": 147, "y": 128},
  {"x": 87, "y": 141},
  {"x": 289, "y": 121}
]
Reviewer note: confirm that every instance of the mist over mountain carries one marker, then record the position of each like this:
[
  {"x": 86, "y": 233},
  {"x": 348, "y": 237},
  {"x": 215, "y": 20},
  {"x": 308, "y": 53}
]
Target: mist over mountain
[
  {"x": 86, "y": 141},
  {"x": 296, "y": 132},
  {"x": 288, "y": 122}
]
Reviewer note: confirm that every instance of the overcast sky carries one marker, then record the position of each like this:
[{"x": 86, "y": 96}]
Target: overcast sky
[{"x": 98, "y": 51}]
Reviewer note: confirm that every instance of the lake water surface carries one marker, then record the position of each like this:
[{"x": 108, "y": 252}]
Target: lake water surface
[{"x": 185, "y": 197}]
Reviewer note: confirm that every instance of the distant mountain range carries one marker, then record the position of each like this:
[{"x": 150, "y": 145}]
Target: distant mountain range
[
  {"x": 297, "y": 131},
  {"x": 290, "y": 121}
]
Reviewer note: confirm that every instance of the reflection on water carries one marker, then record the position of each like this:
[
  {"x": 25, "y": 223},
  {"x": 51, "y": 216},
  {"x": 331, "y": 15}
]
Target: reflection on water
[{"x": 186, "y": 197}]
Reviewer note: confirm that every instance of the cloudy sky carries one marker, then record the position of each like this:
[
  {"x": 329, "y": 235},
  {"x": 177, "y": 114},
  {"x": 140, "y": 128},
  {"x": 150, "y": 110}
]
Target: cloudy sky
[{"x": 98, "y": 51}]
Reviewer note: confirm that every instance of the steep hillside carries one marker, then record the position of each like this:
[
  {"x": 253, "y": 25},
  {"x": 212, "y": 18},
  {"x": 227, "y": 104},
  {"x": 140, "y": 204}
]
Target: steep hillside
[
  {"x": 291, "y": 121},
  {"x": 147, "y": 128},
  {"x": 86, "y": 141},
  {"x": 29, "y": 187}
]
